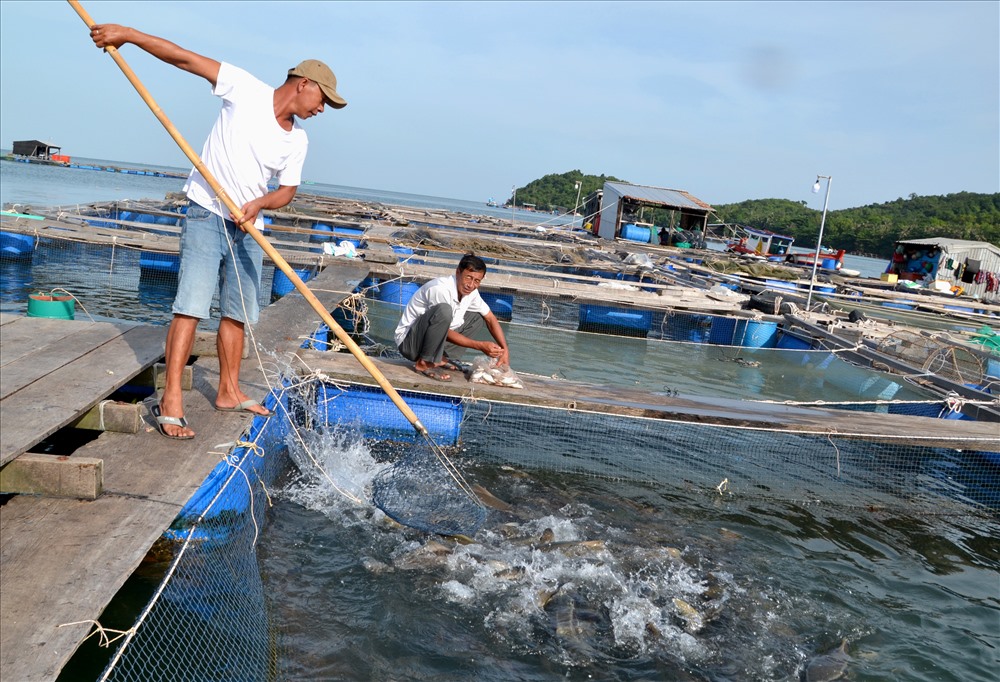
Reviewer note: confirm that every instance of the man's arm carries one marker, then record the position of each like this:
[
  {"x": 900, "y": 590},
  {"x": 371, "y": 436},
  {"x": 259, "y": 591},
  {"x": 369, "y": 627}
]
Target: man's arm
[
  {"x": 113, "y": 35},
  {"x": 494, "y": 350},
  {"x": 272, "y": 200}
]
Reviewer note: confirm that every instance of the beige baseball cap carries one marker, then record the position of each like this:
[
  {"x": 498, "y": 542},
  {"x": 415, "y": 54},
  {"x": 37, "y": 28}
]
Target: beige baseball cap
[{"x": 320, "y": 74}]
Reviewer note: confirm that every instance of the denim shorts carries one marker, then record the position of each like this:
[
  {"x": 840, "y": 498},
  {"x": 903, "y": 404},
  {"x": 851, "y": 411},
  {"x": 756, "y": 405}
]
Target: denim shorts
[{"x": 216, "y": 251}]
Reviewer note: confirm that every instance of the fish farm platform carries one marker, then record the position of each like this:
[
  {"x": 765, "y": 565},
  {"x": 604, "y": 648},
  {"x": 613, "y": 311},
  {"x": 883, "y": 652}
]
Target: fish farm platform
[
  {"x": 62, "y": 560},
  {"x": 546, "y": 392}
]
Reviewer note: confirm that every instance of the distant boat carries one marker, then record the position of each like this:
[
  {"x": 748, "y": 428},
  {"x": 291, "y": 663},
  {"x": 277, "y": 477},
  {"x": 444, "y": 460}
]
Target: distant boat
[
  {"x": 752, "y": 241},
  {"x": 492, "y": 203}
]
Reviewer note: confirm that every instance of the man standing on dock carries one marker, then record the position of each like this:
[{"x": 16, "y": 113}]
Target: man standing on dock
[
  {"x": 436, "y": 326},
  {"x": 256, "y": 138}
]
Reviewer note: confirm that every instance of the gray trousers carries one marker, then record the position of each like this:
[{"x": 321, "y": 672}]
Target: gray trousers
[{"x": 427, "y": 339}]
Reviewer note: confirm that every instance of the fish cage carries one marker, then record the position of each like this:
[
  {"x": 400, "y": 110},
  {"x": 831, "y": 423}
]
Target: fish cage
[{"x": 211, "y": 617}]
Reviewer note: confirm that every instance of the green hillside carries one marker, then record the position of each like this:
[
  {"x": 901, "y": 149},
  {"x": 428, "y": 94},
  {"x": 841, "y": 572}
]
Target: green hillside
[{"x": 868, "y": 229}]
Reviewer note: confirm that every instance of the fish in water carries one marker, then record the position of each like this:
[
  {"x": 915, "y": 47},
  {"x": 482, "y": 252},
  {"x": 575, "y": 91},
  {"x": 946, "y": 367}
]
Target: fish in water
[
  {"x": 693, "y": 620},
  {"x": 490, "y": 500},
  {"x": 829, "y": 666}
]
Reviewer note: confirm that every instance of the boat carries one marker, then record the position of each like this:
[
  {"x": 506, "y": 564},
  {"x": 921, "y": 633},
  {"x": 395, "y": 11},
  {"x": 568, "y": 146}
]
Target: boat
[
  {"x": 829, "y": 259},
  {"x": 753, "y": 241},
  {"x": 492, "y": 203}
]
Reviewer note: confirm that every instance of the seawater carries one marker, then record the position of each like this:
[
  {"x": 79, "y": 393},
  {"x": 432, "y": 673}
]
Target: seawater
[
  {"x": 916, "y": 596},
  {"x": 773, "y": 584}
]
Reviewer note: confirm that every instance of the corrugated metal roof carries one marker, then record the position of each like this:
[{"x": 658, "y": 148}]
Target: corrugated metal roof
[
  {"x": 659, "y": 195},
  {"x": 950, "y": 244}
]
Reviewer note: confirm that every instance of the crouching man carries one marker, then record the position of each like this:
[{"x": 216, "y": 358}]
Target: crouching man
[{"x": 441, "y": 318}]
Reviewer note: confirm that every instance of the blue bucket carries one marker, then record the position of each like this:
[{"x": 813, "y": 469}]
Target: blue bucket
[
  {"x": 828, "y": 263},
  {"x": 396, "y": 292},
  {"x": 501, "y": 305}
]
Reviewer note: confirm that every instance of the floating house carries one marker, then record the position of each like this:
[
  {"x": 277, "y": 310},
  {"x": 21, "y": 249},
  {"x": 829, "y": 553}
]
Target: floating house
[
  {"x": 36, "y": 149},
  {"x": 973, "y": 266},
  {"x": 617, "y": 211}
]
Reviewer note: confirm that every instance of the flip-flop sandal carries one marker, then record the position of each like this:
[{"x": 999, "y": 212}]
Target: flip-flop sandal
[
  {"x": 436, "y": 373},
  {"x": 162, "y": 420},
  {"x": 452, "y": 366},
  {"x": 245, "y": 407}
]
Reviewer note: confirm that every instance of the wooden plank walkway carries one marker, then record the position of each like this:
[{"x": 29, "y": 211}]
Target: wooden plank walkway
[
  {"x": 63, "y": 560},
  {"x": 54, "y": 370}
]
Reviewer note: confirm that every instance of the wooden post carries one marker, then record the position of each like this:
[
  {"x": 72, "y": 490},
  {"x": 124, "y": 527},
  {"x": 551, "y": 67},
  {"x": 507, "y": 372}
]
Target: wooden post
[
  {"x": 54, "y": 475},
  {"x": 111, "y": 416}
]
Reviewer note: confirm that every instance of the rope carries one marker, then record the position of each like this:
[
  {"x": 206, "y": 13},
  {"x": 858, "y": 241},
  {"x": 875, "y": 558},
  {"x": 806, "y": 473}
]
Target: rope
[
  {"x": 953, "y": 403},
  {"x": 102, "y": 631}
]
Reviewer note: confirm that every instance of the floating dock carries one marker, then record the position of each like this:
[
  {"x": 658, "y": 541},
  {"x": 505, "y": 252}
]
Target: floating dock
[{"x": 62, "y": 560}]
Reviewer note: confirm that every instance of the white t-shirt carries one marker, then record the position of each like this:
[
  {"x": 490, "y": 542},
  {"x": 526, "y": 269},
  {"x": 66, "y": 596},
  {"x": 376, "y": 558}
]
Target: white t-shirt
[
  {"x": 439, "y": 290},
  {"x": 246, "y": 147}
]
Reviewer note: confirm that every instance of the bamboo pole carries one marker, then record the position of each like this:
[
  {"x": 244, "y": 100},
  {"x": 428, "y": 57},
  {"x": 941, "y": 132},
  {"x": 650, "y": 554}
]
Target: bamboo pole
[{"x": 276, "y": 257}]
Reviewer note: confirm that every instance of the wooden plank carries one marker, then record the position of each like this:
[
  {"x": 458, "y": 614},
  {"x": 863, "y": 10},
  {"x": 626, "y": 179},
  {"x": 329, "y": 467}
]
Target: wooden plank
[
  {"x": 544, "y": 392},
  {"x": 292, "y": 316},
  {"x": 47, "y": 352},
  {"x": 23, "y": 336},
  {"x": 62, "y": 560},
  {"x": 53, "y": 476},
  {"x": 41, "y": 408}
]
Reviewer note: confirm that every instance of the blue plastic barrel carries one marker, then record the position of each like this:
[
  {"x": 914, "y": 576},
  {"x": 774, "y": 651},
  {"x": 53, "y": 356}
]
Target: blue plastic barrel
[
  {"x": 755, "y": 334},
  {"x": 407, "y": 255},
  {"x": 327, "y": 235},
  {"x": 828, "y": 263},
  {"x": 396, "y": 292},
  {"x": 635, "y": 233},
  {"x": 281, "y": 285},
  {"x": 793, "y": 342},
  {"x": 16, "y": 246},
  {"x": 374, "y": 412},
  {"x": 722, "y": 331},
  {"x": 368, "y": 286},
  {"x": 350, "y": 233},
  {"x": 501, "y": 305},
  {"x": 152, "y": 263},
  {"x": 618, "y": 321}
]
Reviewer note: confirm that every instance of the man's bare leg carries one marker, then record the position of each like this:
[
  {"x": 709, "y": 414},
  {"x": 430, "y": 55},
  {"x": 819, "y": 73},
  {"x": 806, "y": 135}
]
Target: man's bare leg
[
  {"x": 230, "y": 345},
  {"x": 180, "y": 341}
]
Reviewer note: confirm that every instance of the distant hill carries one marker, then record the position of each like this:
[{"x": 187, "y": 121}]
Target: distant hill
[
  {"x": 873, "y": 229},
  {"x": 868, "y": 229}
]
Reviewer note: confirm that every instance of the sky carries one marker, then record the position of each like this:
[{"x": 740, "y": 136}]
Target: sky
[{"x": 726, "y": 100}]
